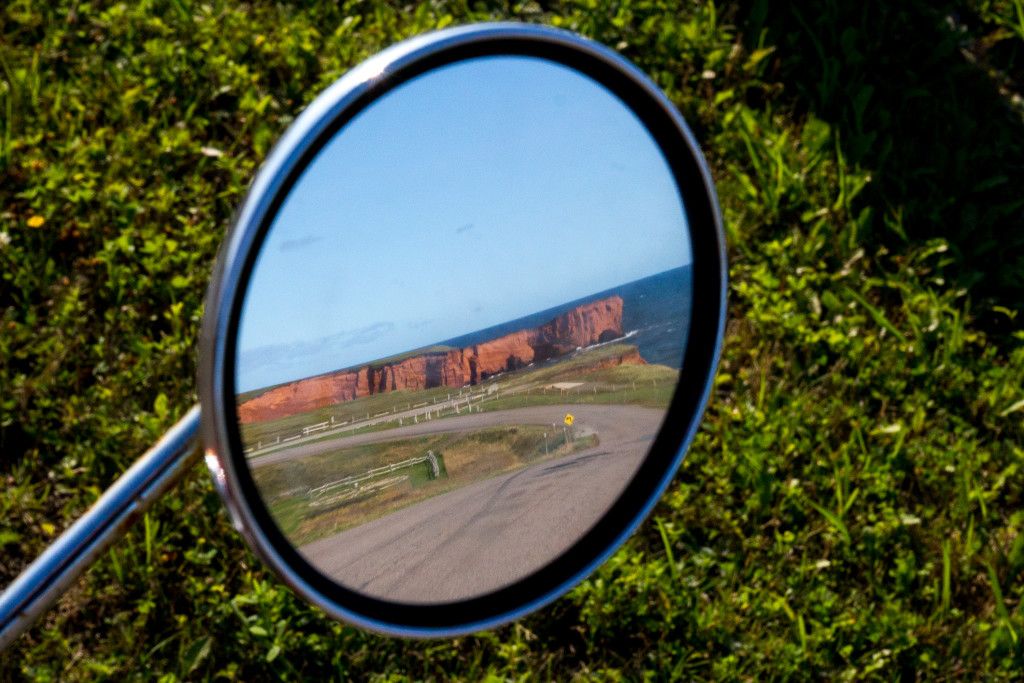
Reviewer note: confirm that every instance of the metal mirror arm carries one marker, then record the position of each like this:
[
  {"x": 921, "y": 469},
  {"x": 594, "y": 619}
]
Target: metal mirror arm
[{"x": 107, "y": 520}]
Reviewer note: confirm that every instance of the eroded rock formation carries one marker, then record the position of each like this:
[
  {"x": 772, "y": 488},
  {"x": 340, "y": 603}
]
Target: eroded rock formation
[
  {"x": 597, "y": 321},
  {"x": 630, "y": 357}
]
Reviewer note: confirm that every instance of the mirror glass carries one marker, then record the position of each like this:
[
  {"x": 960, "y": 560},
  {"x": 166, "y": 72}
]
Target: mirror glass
[{"x": 463, "y": 330}]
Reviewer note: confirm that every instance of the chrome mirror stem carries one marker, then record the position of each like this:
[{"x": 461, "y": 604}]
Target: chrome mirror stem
[{"x": 107, "y": 520}]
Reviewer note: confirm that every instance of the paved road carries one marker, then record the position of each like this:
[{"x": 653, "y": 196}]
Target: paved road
[{"x": 486, "y": 535}]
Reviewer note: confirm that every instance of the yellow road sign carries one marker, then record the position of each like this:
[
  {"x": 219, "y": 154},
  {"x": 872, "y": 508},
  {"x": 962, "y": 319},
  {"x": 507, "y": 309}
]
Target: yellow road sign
[{"x": 569, "y": 418}]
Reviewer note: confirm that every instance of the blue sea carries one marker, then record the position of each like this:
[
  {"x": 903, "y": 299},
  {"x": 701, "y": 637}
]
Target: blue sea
[{"x": 655, "y": 317}]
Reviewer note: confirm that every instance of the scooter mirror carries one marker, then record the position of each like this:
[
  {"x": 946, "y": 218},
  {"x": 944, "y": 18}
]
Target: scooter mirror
[
  {"x": 462, "y": 329},
  {"x": 459, "y": 336}
]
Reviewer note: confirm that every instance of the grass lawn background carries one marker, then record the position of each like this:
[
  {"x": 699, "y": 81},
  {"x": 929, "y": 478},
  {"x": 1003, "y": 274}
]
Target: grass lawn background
[{"x": 850, "y": 509}]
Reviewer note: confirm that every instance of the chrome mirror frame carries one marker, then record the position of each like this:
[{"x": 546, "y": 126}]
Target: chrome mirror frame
[{"x": 328, "y": 114}]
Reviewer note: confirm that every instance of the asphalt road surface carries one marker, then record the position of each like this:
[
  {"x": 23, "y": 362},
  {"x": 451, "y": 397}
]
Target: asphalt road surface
[{"x": 490, "y": 533}]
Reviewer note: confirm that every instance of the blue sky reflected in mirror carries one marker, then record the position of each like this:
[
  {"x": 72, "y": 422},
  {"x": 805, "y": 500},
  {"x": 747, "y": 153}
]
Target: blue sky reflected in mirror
[{"x": 473, "y": 195}]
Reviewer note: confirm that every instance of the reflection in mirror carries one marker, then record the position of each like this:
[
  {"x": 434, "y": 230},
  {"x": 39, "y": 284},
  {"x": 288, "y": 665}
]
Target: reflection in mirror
[{"x": 463, "y": 330}]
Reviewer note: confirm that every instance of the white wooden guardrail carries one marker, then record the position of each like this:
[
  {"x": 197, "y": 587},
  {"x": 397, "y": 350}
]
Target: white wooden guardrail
[{"x": 318, "y": 493}]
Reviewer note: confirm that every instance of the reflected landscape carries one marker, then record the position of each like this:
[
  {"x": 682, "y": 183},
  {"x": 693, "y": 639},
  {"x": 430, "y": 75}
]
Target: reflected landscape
[
  {"x": 573, "y": 402},
  {"x": 420, "y": 467}
]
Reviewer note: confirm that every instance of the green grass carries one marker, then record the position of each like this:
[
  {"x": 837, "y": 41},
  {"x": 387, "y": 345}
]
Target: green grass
[{"x": 851, "y": 507}]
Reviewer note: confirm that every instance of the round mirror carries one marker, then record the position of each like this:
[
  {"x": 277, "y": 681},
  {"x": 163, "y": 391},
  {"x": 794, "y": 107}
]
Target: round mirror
[{"x": 463, "y": 327}]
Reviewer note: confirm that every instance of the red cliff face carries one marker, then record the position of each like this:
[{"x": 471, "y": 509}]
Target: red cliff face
[
  {"x": 631, "y": 357},
  {"x": 598, "y": 321}
]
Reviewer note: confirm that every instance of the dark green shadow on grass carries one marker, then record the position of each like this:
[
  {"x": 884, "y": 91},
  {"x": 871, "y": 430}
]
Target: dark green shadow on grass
[{"x": 913, "y": 91}]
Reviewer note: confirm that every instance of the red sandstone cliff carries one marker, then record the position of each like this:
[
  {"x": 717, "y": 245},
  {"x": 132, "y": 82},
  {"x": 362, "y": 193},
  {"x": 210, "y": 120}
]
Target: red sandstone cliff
[
  {"x": 584, "y": 325},
  {"x": 631, "y": 357}
]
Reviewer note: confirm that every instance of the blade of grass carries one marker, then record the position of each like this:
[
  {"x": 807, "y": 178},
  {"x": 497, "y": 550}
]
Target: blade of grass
[
  {"x": 834, "y": 519},
  {"x": 876, "y": 315},
  {"x": 1001, "y": 610},
  {"x": 946, "y": 562},
  {"x": 668, "y": 546}
]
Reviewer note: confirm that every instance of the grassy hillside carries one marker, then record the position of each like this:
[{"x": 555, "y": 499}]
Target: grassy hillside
[{"x": 852, "y": 506}]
